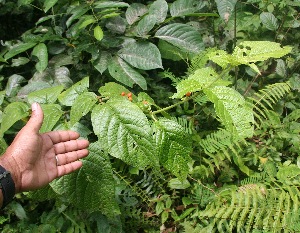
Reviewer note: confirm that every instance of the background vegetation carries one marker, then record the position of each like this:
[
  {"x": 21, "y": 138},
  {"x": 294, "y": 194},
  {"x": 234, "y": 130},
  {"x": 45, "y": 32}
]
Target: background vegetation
[{"x": 191, "y": 107}]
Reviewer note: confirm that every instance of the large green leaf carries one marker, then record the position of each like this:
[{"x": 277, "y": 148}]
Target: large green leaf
[
  {"x": 269, "y": 21},
  {"x": 41, "y": 52},
  {"x": 45, "y": 96},
  {"x": 68, "y": 96},
  {"x": 225, "y": 8},
  {"x": 12, "y": 113},
  {"x": 82, "y": 105},
  {"x": 124, "y": 73},
  {"x": 159, "y": 10},
  {"x": 142, "y": 55},
  {"x": 18, "y": 48},
  {"x": 134, "y": 12},
  {"x": 174, "y": 147},
  {"x": 145, "y": 25},
  {"x": 49, "y": 4},
  {"x": 184, "y": 7},
  {"x": 232, "y": 110},
  {"x": 92, "y": 188},
  {"x": 124, "y": 131},
  {"x": 52, "y": 113},
  {"x": 202, "y": 78},
  {"x": 181, "y": 35}
]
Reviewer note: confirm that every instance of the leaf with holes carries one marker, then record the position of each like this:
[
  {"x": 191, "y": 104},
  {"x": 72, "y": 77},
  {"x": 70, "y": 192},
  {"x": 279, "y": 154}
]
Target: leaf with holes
[
  {"x": 124, "y": 131},
  {"x": 142, "y": 55},
  {"x": 181, "y": 35},
  {"x": 124, "y": 73},
  {"x": 95, "y": 177},
  {"x": 82, "y": 105},
  {"x": 52, "y": 113},
  {"x": 174, "y": 147},
  {"x": 12, "y": 113},
  {"x": 253, "y": 51}
]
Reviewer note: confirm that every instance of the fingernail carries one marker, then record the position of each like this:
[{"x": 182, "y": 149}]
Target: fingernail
[{"x": 34, "y": 106}]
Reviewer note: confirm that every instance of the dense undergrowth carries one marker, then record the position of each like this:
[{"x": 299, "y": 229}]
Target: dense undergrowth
[{"x": 191, "y": 107}]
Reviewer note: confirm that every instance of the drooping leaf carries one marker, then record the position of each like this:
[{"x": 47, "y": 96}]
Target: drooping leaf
[
  {"x": 134, "y": 12},
  {"x": 145, "y": 25},
  {"x": 76, "y": 13},
  {"x": 269, "y": 21},
  {"x": 96, "y": 178},
  {"x": 232, "y": 110},
  {"x": 225, "y": 8},
  {"x": 181, "y": 35},
  {"x": 82, "y": 105},
  {"x": 12, "y": 113},
  {"x": 159, "y": 10},
  {"x": 174, "y": 147},
  {"x": 49, "y": 4},
  {"x": 52, "y": 113},
  {"x": 176, "y": 183},
  {"x": 101, "y": 63},
  {"x": 17, "y": 49},
  {"x": 98, "y": 33},
  {"x": 19, "y": 61},
  {"x": 202, "y": 78},
  {"x": 142, "y": 55},
  {"x": 112, "y": 89},
  {"x": 124, "y": 73},
  {"x": 41, "y": 52},
  {"x": 68, "y": 96},
  {"x": 88, "y": 19},
  {"x": 184, "y": 7},
  {"x": 109, "y": 4},
  {"x": 45, "y": 96},
  {"x": 124, "y": 131}
]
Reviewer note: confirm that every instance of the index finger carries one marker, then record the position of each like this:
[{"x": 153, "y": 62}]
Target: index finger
[{"x": 62, "y": 136}]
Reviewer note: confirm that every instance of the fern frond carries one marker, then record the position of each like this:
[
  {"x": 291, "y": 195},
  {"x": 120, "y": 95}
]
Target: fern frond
[
  {"x": 186, "y": 124},
  {"x": 264, "y": 100},
  {"x": 253, "y": 208}
]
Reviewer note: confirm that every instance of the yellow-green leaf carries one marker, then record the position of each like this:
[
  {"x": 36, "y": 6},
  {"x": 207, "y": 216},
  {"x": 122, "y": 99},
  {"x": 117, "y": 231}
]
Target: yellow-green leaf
[{"x": 98, "y": 33}]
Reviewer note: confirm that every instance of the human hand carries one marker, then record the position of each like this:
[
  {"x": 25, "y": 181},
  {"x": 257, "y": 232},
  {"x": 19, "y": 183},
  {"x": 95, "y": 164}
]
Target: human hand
[{"x": 35, "y": 159}]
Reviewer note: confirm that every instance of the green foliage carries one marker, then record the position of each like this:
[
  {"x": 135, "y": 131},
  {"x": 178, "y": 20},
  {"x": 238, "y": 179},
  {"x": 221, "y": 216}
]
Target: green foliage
[{"x": 191, "y": 108}]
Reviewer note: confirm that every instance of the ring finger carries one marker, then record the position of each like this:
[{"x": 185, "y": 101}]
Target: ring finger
[{"x": 70, "y": 157}]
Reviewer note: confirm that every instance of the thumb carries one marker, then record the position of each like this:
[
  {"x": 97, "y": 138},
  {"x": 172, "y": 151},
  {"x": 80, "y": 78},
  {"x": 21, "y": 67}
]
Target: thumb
[{"x": 36, "y": 120}]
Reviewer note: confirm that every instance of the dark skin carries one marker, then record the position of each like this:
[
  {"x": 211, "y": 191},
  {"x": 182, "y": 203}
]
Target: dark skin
[{"x": 31, "y": 156}]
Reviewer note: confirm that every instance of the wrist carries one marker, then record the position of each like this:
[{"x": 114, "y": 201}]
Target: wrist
[{"x": 8, "y": 163}]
